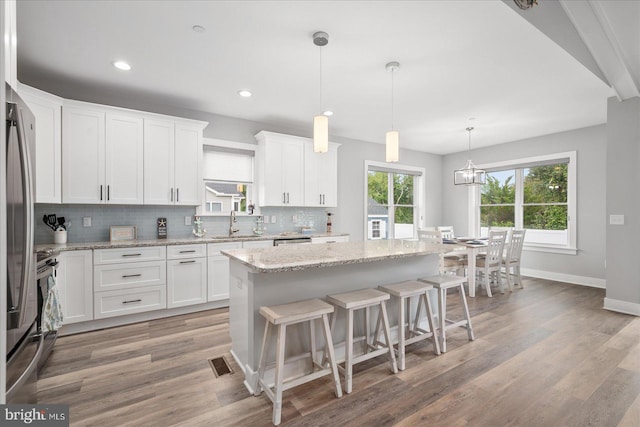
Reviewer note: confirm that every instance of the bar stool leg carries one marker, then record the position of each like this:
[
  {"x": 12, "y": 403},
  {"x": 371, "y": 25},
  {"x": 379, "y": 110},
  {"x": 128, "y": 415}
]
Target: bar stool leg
[
  {"x": 331, "y": 355},
  {"x": 348, "y": 363},
  {"x": 432, "y": 326},
  {"x": 401, "y": 333},
  {"x": 463, "y": 300},
  {"x": 263, "y": 356},
  {"x": 277, "y": 402},
  {"x": 442, "y": 307},
  {"x": 312, "y": 338},
  {"x": 387, "y": 335}
]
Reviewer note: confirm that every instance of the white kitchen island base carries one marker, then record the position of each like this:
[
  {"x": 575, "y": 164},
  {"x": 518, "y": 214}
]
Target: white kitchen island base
[{"x": 250, "y": 289}]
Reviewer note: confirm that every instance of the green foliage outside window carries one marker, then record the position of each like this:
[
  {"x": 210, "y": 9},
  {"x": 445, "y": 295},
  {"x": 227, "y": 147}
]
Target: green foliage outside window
[
  {"x": 378, "y": 190},
  {"x": 542, "y": 185}
]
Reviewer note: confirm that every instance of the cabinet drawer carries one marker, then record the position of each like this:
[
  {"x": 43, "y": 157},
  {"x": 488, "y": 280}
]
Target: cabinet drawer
[
  {"x": 119, "y": 303},
  {"x": 330, "y": 239},
  {"x": 186, "y": 251},
  {"x": 214, "y": 249},
  {"x": 131, "y": 275},
  {"x": 134, "y": 254},
  {"x": 257, "y": 244}
]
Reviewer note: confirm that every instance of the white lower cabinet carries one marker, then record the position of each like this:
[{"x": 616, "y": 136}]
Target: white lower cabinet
[
  {"x": 129, "y": 280},
  {"x": 218, "y": 270},
  {"x": 75, "y": 286},
  {"x": 186, "y": 277}
]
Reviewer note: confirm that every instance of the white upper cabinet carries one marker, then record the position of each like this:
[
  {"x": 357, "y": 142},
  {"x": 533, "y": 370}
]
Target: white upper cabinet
[
  {"x": 291, "y": 174},
  {"x": 10, "y": 52},
  {"x": 47, "y": 110},
  {"x": 172, "y": 165},
  {"x": 159, "y": 143},
  {"x": 280, "y": 170},
  {"x": 321, "y": 176},
  {"x": 124, "y": 159},
  {"x": 83, "y": 141},
  {"x": 101, "y": 156},
  {"x": 188, "y": 164}
]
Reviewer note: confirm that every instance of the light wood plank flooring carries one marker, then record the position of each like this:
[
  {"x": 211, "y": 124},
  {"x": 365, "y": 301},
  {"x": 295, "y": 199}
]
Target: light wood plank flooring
[{"x": 547, "y": 355}]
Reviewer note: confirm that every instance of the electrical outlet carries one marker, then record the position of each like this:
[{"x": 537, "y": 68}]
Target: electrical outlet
[
  {"x": 266, "y": 219},
  {"x": 294, "y": 218},
  {"x": 187, "y": 220},
  {"x": 616, "y": 219},
  {"x": 86, "y": 221},
  {"x": 273, "y": 219}
]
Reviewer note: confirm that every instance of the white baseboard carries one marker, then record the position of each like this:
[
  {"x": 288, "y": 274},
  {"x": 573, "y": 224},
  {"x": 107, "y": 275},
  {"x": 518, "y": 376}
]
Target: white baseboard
[
  {"x": 567, "y": 278},
  {"x": 625, "y": 307}
]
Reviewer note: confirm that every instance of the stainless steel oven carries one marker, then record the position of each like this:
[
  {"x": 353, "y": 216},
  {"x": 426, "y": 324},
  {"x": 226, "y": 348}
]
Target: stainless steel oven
[
  {"x": 291, "y": 240},
  {"x": 47, "y": 302}
]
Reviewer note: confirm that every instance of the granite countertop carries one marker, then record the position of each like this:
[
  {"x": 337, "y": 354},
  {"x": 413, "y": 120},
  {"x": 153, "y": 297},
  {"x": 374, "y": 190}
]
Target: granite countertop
[
  {"x": 78, "y": 246},
  {"x": 301, "y": 257}
]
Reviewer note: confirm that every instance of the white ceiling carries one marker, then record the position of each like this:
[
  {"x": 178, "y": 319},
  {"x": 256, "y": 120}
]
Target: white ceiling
[{"x": 459, "y": 59}]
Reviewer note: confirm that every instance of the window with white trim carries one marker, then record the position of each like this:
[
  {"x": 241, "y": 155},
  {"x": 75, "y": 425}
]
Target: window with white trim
[
  {"x": 537, "y": 194},
  {"x": 394, "y": 200}
]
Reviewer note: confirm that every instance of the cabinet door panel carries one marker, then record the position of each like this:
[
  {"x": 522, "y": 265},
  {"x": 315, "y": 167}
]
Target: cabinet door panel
[
  {"x": 83, "y": 140},
  {"x": 75, "y": 285},
  {"x": 48, "y": 115},
  {"x": 271, "y": 163},
  {"x": 187, "y": 154},
  {"x": 328, "y": 178},
  {"x": 159, "y": 142},
  {"x": 218, "y": 278},
  {"x": 186, "y": 282},
  {"x": 124, "y": 163},
  {"x": 293, "y": 173}
]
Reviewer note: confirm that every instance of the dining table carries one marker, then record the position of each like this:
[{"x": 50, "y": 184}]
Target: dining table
[{"x": 472, "y": 247}]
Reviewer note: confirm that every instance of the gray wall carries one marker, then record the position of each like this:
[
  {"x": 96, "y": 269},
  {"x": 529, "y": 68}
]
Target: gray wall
[
  {"x": 590, "y": 145},
  {"x": 623, "y": 184}
]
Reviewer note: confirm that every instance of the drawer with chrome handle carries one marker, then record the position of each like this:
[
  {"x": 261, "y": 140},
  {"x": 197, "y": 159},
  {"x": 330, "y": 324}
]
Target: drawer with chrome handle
[
  {"x": 125, "y": 255},
  {"x": 121, "y": 302},
  {"x": 130, "y": 275},
  {"x": 186, "y": 251}
]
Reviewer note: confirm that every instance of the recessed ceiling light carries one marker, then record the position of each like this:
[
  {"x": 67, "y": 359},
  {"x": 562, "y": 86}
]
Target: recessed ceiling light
[
  {"x": 121, "y": 65},
  {"x": 199, "y": 29},
  {"x": 328, "y": 113},
  {"x": 244, "y": 93}
]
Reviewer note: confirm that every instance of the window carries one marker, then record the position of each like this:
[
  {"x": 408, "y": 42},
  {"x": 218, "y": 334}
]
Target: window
[
  {"x": 392, "y": 201},
  {"x": 537, "y": 194},
  {"x": 228, "y": 178}
]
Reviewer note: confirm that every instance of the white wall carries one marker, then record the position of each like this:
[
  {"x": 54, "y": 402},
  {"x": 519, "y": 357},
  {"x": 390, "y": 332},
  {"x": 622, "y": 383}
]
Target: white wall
[{"x": 590, "y": 144}]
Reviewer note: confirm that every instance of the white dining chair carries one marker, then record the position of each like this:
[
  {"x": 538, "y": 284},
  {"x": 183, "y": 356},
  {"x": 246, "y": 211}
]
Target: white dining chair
[
  {"x": 490, "y": 265},
  {"x": 511, "y": 262},
  {"x": 447, "y": 264}
]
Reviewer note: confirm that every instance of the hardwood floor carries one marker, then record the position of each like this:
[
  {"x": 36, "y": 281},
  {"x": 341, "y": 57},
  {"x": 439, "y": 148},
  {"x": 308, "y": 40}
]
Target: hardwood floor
[{"x": 546, "y": 355}]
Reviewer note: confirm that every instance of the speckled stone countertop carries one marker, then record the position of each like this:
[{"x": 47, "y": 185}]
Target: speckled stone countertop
[
  {"x": 168, "y": 242},
  {"x": 301, "y": 257}
]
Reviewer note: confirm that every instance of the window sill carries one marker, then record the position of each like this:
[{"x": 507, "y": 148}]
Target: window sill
[{"x": 550, "y": 249}]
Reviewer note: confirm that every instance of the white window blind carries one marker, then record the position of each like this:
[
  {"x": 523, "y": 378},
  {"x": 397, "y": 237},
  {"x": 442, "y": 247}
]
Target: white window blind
[{"x": 225, "y": 164}]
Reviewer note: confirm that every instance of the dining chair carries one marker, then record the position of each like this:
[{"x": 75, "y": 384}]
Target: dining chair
[
  {"x": 447, "y": 264},
  {"x": 511, "y": 262},
  {"x": 490, "y": 264}
]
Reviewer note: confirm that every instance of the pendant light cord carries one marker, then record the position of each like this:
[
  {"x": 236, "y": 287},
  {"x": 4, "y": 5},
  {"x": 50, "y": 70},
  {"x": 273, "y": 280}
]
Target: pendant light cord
[
  {"x": 469, "y": 129},
  {"x": 392, "y": 98},
  {"x": 319, "y": 47}
]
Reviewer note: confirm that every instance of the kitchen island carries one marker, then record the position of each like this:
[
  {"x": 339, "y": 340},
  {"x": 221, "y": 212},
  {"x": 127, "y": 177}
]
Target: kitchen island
[{"x": 283, "y": 274}]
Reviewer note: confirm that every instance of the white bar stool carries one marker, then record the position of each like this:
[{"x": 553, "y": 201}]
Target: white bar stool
[
  {"x": 282, "y": 316},
  {"x": 404, "y": 291},
  {"x": 442, "y": 283},
  {"x": 363, "y": 299}
]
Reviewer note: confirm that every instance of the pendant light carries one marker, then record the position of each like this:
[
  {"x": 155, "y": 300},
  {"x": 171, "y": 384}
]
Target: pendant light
[
  {"x": 321, "y": 121},
  {"x": 393, "y": 137},
  {"x": 469, "y": 174}
]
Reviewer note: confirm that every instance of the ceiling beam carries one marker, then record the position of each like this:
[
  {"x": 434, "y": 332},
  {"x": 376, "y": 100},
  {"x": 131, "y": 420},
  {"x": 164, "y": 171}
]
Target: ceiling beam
[{"x": 596, "y": 31}]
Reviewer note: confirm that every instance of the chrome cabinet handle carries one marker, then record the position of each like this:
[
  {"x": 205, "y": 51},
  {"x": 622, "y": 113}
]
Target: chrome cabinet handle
[
  {"x": 172, "y": 194},
  {"x": 177, "y": 195},
  {"x": 131, "y": 275},
  {"x": 126, "y": 255},
  {"x": 287, "y": 197},
  {"x": 101, "y": 193},
  {"x": 188, "y": 252},
  {"x": 108, "y": 192},
  {"x": 133, "y": 300},
  {"x": 284, "y": 198},
  {"x": 187, "y": 262}
]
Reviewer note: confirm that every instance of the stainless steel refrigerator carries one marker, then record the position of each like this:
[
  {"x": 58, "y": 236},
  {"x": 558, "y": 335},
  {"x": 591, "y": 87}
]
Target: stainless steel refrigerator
[{"x": 24, "y": 344}]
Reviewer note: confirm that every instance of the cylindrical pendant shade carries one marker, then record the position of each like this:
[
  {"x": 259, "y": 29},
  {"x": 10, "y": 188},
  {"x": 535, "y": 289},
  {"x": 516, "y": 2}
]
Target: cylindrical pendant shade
[
  {"x": 320, "y": 134},
  {"x": 393, "y": 146}
]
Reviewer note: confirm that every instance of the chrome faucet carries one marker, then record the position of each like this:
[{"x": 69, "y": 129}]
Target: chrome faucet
[{"x": 232, "y": 220}]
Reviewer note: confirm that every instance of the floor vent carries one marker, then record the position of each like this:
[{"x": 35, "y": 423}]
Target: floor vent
[{"x": 220, "y": 366}]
